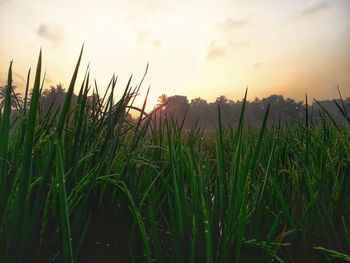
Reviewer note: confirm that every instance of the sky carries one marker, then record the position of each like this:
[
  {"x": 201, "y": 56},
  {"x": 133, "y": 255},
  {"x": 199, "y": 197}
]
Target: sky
[{"x": 194, "y": 48}]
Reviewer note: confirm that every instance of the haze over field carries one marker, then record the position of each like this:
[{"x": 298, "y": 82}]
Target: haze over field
[
  {"x": 203, "y": 173},
  {"x": 195, "y": 48}
]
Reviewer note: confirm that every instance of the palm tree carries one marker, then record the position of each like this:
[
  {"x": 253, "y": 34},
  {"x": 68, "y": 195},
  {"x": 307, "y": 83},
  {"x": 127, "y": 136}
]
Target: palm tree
[
  {"x": 57, "y": 92},
  {"x": 221, "y": 100},
  {"x": 162, "y": 99},
  {"x": 16, "y": 102},
  {"x": 52, "y": 97}
]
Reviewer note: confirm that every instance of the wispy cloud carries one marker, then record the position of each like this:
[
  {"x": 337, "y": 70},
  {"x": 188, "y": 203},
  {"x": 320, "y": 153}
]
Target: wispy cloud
[
  {"x": 237, "y": 44},
  {"x": 233, "y": 23},
  {"x": 18, "y": 78},
  {"x": 215, "y": 51},
  {"x": 51, "y": 33},
  {"x": 146, "y": 37},
  {"x": 315, "y": 8},
  {"x": 4, "y": 1},
  {"x": 257, "y": 65},
  {"x": 48, "y": 79}
]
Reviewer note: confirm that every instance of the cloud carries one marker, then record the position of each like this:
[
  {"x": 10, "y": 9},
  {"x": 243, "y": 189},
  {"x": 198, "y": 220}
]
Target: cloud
[
  {"x": 238, "y": 44},
  {"x": 146, "y": 37},
  {"x": 257, "y": 65},
  {"x": 233, "y": 23},
  {"x": 315, "y": 8},
  {"x": 4, "y": 1},
  {"x": 215, "y": 51},
  {"x": 50, "y": 33},
  {"x": 18, "y": 78},
  {"x": 48, "y": 79}
]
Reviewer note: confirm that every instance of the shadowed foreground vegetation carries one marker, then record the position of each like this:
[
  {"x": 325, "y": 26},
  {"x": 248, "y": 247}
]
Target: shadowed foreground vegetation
[{"x": 87, "y": 184}]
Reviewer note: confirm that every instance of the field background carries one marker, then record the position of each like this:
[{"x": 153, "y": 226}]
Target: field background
[{"x": 89, "y": 184}]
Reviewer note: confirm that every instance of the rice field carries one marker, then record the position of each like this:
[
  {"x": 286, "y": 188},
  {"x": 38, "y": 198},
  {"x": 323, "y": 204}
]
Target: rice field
[{"x": 87, "y": 184}]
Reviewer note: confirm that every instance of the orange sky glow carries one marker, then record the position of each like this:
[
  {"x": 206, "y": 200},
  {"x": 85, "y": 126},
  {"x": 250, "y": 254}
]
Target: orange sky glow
[{"x": 194, "y": 48}]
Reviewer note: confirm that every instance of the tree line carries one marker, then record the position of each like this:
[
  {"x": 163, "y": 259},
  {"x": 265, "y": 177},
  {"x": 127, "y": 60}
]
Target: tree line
[
  {"x": 282, "y": 110},
  {"x": 204, "y": 114}
]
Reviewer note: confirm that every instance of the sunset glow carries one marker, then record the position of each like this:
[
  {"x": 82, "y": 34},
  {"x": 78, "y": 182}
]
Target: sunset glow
[{"x": 194, "y": 48}]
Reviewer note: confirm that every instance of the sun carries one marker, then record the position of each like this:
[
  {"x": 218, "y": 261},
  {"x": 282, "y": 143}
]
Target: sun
[{"x": 152, "y": 102}]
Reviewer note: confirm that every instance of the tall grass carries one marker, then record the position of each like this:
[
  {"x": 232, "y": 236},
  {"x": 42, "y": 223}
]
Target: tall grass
[{"x": 86, "y": 183}]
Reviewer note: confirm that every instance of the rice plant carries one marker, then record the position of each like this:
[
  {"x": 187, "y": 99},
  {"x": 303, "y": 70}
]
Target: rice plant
[{"x": 85, "y": 183}]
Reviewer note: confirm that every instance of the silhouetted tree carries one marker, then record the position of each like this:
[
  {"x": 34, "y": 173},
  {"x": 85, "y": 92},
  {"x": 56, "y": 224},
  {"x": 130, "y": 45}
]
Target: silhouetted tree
[
  {"x": 16, "y": 101},
  {"x": 54, "y": 98},
  {"x": 281, "y": 110},
  {"x": 177, "y": 106},
  {"x": 161, "y": 101}
]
